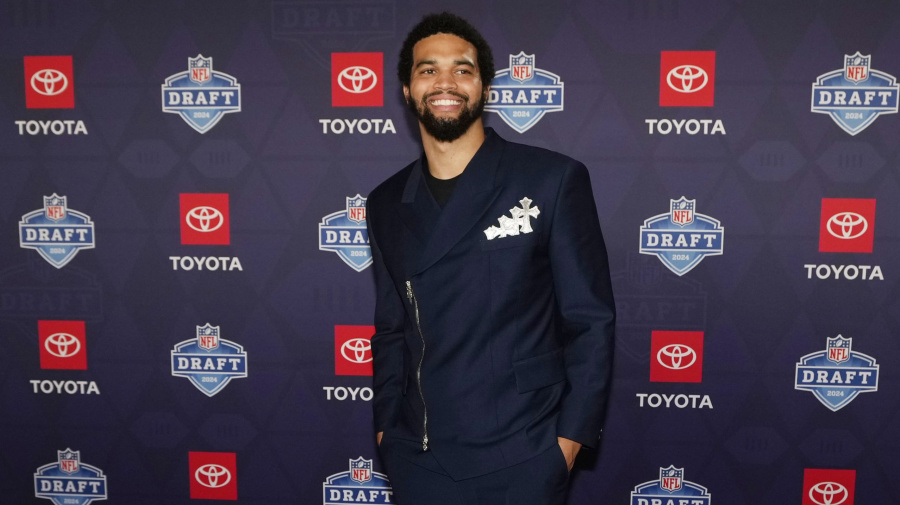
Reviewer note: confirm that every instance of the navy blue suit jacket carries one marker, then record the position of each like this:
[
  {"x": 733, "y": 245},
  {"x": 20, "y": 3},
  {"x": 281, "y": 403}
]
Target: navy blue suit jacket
[{"x": 491, "y": 347}]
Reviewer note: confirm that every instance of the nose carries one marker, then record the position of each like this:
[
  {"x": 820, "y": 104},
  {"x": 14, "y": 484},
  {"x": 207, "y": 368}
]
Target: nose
[{"x": 445, "y": 81}]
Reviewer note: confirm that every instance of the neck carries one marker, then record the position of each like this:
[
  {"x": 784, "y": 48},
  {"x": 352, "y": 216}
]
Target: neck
[{"x": 447, "y": 160}]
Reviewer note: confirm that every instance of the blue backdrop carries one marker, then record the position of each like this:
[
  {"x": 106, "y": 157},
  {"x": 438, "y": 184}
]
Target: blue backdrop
[{"x": 185, "y": 297}]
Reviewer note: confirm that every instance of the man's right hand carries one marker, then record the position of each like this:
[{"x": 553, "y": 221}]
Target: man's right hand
[{"x": 378, "y": 438}]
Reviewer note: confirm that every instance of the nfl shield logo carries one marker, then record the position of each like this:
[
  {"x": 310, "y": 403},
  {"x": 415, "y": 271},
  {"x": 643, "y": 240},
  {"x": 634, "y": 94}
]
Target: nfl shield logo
[
  {"x": 55, "y": 207},
  {"x": 361, "y": 470},
  {"x": 521, "y": 66},
  {"x": 670, "y": 478},
  {"x": 856, "y": 67},
  {"x": 208, "y": 337},
  {"x": 200, "y": 69},
  {"x": 356, "y": 209},
  {"x": 682, "y": 211},
  {"x": 68, "y": 461},
  {"x": 838, "y": 349}
]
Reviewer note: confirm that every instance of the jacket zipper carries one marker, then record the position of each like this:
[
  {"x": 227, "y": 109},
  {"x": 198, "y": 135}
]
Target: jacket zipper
[{"x": 415, "y": 303}]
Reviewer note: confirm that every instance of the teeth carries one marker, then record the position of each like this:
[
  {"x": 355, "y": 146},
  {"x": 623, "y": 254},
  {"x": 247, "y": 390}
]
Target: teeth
[{"x": 446, "y": 102}]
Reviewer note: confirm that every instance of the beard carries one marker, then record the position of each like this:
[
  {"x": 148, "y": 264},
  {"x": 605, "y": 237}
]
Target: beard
[{"x": 447, "y": 129}]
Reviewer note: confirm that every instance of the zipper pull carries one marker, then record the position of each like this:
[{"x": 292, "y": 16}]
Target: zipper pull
[
  {"x": 425, "y": 443},
  {"x": 409, "y": 291}
]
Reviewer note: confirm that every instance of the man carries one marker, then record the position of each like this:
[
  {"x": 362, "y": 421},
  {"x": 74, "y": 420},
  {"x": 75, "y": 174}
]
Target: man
[{"x": 494, "y": 315}]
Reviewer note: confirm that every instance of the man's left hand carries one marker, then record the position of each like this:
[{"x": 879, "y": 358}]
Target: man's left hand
[{"x": 570, "y": 449}]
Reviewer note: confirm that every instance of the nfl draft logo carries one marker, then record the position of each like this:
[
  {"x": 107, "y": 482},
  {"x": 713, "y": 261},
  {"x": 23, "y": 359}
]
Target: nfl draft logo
[
  {"x": 837, "y": 375},
  {"x": 201, "y": 95},
  {"x": 522, "y": 94},
  {"x": 208, "y": 361},
  {"x": 855, "y": 95},
  {"x": 357, "y": 485},
  {"x": 68, "y": 481},
  {"x": 671, "y": 488},
  {"x": 56, "y": 232},
  {"x": 344, "y": 232},
  {"x": 681, "y": 238}
]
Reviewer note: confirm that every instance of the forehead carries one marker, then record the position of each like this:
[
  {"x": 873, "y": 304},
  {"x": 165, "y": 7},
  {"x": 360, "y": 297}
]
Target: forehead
[{"x": 444, "y": 46}]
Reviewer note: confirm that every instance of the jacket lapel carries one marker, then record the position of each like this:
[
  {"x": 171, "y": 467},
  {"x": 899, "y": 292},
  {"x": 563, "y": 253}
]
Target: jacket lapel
[
  {"x": 417, "y": 208},
  {"x": 474, "y": 193}
]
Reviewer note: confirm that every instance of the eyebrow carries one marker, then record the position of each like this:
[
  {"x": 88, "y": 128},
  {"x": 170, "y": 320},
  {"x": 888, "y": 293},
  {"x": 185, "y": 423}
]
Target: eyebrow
[{"x": 455, "y": 62}]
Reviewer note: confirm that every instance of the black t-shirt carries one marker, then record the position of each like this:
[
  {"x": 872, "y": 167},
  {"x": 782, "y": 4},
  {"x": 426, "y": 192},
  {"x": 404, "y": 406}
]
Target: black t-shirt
[{"x": 441, "y": 189}]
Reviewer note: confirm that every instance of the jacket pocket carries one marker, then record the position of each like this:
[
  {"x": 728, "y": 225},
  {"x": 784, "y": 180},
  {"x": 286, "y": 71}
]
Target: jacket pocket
[
  {"x": 520, "y": 240},
  {"x": 539, "y": 371}
]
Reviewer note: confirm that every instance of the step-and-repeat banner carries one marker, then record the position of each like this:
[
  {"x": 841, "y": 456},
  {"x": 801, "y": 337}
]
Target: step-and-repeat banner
[{"x": 185, "y": 293}]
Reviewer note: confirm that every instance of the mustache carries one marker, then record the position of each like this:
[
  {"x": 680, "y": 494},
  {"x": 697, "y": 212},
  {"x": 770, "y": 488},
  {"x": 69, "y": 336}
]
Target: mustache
[{"x": 454, "y": 93}]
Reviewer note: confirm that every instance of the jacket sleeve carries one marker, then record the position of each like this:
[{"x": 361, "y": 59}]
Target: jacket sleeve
[
  {"x": 387, "y": 343},
  {"x": 584, "y": 295}
]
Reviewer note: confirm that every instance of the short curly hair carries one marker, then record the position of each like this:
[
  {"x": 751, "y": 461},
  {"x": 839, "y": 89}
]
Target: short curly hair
[{"x": 452, "y": 24}]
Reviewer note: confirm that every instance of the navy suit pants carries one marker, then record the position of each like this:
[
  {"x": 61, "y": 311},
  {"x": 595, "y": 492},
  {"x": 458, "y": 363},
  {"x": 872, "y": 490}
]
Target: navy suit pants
[{"x": 541, "y": 480}]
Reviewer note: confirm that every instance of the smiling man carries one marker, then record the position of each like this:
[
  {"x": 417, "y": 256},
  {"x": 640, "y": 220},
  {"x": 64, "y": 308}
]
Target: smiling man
[{"x": 494, "y": 314}]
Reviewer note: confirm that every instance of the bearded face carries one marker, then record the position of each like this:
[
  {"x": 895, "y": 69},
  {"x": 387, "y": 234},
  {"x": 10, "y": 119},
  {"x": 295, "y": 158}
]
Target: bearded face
[
  {"x": 445, "y": 91},
  {"x": 447, "y": 128}
]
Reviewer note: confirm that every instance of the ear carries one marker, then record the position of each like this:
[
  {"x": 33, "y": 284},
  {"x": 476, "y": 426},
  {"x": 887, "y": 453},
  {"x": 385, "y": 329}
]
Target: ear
[{"x": 406, "y": 93}]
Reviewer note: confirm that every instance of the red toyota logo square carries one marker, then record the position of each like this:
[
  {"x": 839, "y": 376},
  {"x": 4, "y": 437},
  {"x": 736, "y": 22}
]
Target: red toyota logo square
[
  {"x": 847, "y": 225},
  {"x": 49, "y": 83},
  {"x": 213, "y": 475},
  {"x": 353, "y": 350},
  {"x": 831, "y": 487},
  {"x": 204, "y": 219},
  {"x": 63, "y": 345},
  {"x": 687, "y": 78},
  {"x": 676, "y": 356},
  {"x": 357, "y": 79}
]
